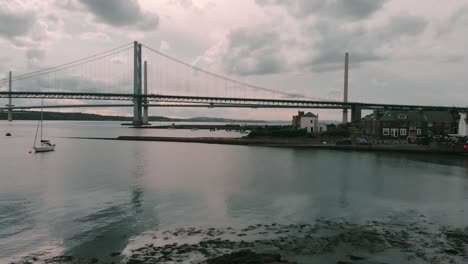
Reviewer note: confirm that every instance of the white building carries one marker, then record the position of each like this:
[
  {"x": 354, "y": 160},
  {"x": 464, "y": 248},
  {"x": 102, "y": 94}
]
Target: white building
[
  {"x": 462, "y": 126},
  {"x": 308, "y": 121}
]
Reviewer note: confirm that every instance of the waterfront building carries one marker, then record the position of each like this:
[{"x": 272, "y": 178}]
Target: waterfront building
[
  {"x": 403, "y": 124},
  {"x": 463, "y": 124},
  {"x": 309, "y": 121}
]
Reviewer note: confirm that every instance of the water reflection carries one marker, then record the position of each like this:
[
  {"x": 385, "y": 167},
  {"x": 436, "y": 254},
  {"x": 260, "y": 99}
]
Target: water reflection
[
  {"x": 17, "y": 213},
  {"x": 138, "y": 172},
  {"x": 92, "y": 198},
  {"x": 110, "y": 228}
]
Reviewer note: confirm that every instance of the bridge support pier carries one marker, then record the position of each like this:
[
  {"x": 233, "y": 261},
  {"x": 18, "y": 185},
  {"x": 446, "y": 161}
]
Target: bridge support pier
[
  {"x": 463, "y": 124},
  {"x": 137, "y": 80},
  {"x": 356, "y": 113}
]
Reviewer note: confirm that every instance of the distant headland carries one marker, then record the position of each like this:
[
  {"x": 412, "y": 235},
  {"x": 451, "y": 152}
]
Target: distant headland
[{"x": 35, "y": 115}]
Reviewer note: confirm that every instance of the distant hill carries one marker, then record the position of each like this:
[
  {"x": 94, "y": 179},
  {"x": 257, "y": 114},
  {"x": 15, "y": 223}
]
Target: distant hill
[{"x": 35, "y": 115}]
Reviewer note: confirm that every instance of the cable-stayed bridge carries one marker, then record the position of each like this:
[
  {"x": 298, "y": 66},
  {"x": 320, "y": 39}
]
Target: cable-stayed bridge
[{"x": 147, "y": 78}]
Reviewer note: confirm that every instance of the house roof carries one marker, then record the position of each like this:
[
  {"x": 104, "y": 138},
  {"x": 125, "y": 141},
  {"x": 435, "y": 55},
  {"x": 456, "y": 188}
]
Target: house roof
[
  {"x": 439, "y": 116},
  {"x": 410, "y": 115},
  {"x": 370, "y": 116},
  {"x": 309, "y": 114},
  {"x": 422, "y": 116}
]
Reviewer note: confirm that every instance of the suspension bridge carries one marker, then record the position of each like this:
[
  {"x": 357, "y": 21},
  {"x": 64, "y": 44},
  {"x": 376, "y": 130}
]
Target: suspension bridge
[{"x": 154, "y": 79}]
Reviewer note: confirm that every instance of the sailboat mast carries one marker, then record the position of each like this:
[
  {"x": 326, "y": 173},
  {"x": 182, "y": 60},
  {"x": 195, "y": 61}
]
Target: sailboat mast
[{"x": 35, "y": 137}]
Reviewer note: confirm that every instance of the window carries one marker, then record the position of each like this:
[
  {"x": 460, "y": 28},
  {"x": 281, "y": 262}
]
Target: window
[
  {"x": 403, "y": 132},
  {"x": 447, "y": 124},
  {"x": 418, "y": 132},
  {"x": 395, "y": 132},
  {"x": 403, "y": 124},
  {"x": 401, "y": 116},
  {"x": 418, "y": 124},
  {"x": 430, "y": 124},
  {"x": 386, "y": 131},
  {"x": 311, "y": 121}
]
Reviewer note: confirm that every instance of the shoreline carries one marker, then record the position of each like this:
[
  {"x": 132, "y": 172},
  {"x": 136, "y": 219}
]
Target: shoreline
[{"x": 282, "y": 142}]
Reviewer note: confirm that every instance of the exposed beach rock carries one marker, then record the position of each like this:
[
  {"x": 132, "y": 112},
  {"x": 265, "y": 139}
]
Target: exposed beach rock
[
  {"x": 247, "y": 256},
  {"x": 369, "y": 242}
]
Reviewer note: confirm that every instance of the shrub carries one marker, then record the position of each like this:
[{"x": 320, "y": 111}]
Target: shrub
[
  {"x": 338, "y": 132},
  {"x": 286, "y": 132}
]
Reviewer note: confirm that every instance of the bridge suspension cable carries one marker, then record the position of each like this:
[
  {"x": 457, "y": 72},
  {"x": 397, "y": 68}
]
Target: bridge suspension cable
[
  {"x": 70, "y": 64},
  {"x": 225, "y": 81},
  {"x": 112, "y": 71}
]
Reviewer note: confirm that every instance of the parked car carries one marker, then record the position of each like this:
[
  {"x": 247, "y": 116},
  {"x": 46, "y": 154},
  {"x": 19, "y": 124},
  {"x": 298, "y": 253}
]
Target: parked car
[
  {"x": 422, "y": 140},
  {"x": 345, "y": 141},
  {"x": 460, "y": 145},
  {"x": 362, "y": 141}
]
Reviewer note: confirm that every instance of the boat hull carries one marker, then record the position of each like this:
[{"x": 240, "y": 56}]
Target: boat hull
[{"x": 44, "y": 149}]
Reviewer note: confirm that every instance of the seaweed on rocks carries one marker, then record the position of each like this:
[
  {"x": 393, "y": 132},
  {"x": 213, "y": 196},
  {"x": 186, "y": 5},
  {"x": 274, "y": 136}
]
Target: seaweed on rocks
[
  {"x": 368, "y": 242},
  {"x": 247, "y": 256}
]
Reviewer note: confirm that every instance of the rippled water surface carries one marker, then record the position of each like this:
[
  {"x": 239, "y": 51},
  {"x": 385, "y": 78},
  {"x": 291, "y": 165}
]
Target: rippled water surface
[{"x": 94, "y": 197}]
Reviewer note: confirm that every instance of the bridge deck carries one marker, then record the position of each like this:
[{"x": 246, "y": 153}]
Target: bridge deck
[{"x": 222, "y": 101}]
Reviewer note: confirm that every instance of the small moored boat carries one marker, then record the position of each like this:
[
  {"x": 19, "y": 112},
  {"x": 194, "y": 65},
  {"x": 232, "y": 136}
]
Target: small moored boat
[{"x": 45, "y": 145}]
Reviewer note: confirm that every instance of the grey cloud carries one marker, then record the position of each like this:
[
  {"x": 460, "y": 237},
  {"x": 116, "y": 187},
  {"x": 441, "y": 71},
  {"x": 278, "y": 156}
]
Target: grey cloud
[
  {"x": 333, "y": 60},
  {"x": 69, "y": 5},
  {"x": 253, "y": 52},
  {"x": 459, "y": 16},
  {"x": 77, "y": 84},
  {"x": 458, "y": 19},
  {"x": 15, "y": 23},
  {"x": 296, "y": 7},
  {"x": 338, "y": 9},
  {"x": 67, "y": 84},
  {"x": 35, "y": 54},
  {"x": 3, "y": 65},
  {"x": 404, "y": 25},
  {"x": 355, "y": 9},
  {"x": 183, "y": 3},
  {"x": 363, "y": 44},
  {"x": 122, "y": 13},
  {"x": 52, "y": 18}
]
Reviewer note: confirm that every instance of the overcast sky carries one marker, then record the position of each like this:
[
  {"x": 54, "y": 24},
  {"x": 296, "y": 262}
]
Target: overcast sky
[{"x": 401, "y": 51}]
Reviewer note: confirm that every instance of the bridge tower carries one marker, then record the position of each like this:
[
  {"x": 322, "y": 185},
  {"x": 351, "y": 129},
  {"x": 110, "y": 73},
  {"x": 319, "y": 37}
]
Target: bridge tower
[
  {"x": 145, "y": 92},
  {"x": 10, "y": 111},
  {"x": 137, "y": 81},
  {"x": 345, "y": 94}
]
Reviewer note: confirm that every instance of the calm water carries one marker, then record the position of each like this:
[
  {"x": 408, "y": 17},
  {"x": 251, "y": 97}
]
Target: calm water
[{"x": 91, "y": 198}]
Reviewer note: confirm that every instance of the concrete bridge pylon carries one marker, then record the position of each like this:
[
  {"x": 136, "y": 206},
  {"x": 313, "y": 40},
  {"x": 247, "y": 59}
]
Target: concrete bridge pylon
[
  {"x": 10, "y": 111},
  {"x": 137, "y": 83},
  {"x": 145, "y": 92},
  {"x": 345, "y": 92}
]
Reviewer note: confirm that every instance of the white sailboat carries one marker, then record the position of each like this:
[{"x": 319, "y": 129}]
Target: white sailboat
[{"x": 45, "y": 145}]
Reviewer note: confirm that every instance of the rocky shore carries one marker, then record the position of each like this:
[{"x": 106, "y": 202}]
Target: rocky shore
[
  {"x": 324, "y": 241},
  {"x": 248, "y": 256}
]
